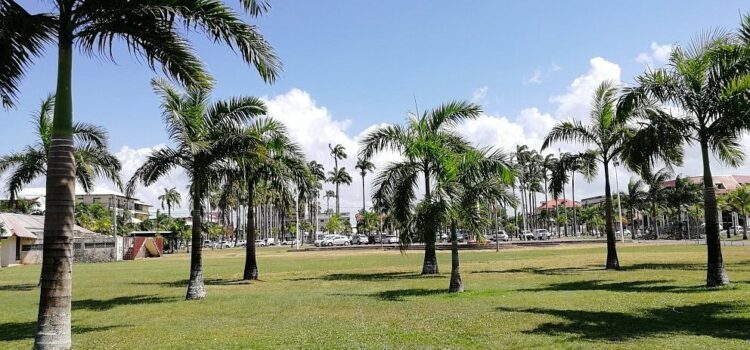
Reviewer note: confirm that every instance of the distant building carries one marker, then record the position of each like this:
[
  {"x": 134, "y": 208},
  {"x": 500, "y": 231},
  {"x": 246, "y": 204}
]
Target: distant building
[
  {"x": 107, "y": 198},
  {"x": 596, "y": 200},
  {"x": 722, "y": 183},
  {"x": 324, "y": 217},
  {"x": 552, "y": 203}
]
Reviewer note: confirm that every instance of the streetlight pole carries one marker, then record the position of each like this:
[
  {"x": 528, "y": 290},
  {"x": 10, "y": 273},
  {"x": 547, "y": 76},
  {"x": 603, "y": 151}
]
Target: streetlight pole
[
  {"x": 296, "y": 216},
  {"x": 619, "y": 205}
]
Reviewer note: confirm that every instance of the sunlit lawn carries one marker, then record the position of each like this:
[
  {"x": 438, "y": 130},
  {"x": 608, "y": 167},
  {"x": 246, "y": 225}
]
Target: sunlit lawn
[{"x": 557, "y": 298}]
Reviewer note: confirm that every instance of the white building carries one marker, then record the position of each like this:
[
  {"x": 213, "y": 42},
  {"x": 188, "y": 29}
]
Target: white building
[{"x": 107, "y": 198}]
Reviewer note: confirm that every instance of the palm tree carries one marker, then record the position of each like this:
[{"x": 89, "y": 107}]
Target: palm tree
[
  {"x": 317, "y": 176},
  {"x": 584, "y": 163},
  {"x": 656, "y": 194},
  {"x": 204, "y": 134},
  {"x": 610, "y": 136},
  {"x": 634, "y": 201},
  {"x": 740, "y": 200},
  {"x": 275, "y": 160},
  {"x": 338, "y": 152},
  {"x": 480, "y": 176},
  {"x": 329, "y": 194},
  {"x": 89, "y": 150},
  {"x": 338, "y": 177},
  {"x": 682, "y": 195},
  {"x": 151, "y": 30},
  {"x": 170, "y": 198},
  {"x": 364, "y": 166},
  {"x": 547, "y": 167},
  {"x": 708, "y": 82},
  {"x": 425, "y": 138}
]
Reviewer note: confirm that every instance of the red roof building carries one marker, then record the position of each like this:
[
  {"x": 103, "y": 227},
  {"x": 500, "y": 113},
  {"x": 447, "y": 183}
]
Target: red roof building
[
  {"x": 722, "y": 183},
  {"x": 552, "y": 203}
]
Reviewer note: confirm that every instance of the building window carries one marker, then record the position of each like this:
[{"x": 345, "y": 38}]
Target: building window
[
  {"x": 720, "y": 186},
  {"x": 96, "y": 200}
]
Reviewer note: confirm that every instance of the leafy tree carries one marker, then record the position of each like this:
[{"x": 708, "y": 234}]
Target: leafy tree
[
  {"x": 204, "y": 134},
  {"x": 329, "y": 194},
  {"x": 681, "y": 196},
  {"x": 93, "y": 159},
  {"x": 151, "y": 30},
  {"x": 335, "y": 224},
  {"x": 656, "y": 194},
  {"x": 635, "y": 200},
  {"x": 170, "y": 198},
  {"x": 364, "y": 166},
  {"x": 708, "y": 82},
  {"x": 421, "y": 142},
  {"x": 367, "y": 221}
]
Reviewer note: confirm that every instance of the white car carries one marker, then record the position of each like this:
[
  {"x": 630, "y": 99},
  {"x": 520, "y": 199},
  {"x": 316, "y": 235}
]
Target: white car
[
  {"x": 390, "y": 239},
  {"x": 542, "y": 234},
  {"x": 241, "y": 243},
  {"x": 501, "y": 235},
  {"x": 319, "y": 242},
  {"x": 260, "y": 243},
  {"x": 270, "y": 241},
  {"x": 335, "y": 240},
  {"x": 224, "y": 244},
  {"x": 527, "y": 235}
]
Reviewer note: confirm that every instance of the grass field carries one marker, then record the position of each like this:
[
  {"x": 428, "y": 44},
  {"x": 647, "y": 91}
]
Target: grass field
[{"x": 557, "y": 298}]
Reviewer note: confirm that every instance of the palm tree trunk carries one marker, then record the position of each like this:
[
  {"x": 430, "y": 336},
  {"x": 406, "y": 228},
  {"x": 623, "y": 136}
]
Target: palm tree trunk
[
  {"x": 363, "y": 194},
  {"x": 654, "y": 222},
  {"x": 429, "y": 266},
  {"x": 575, "y": 213},
  {"x": 53, "y": 320},
  {"x": 612, "y": 261},
  {"x": 715, "y": 274},
  {"x": 456, "y": 284},
  {"x": 565, "y": 206},
  {"x": 338, "y": 208},
  {"x": 196, "y": 290},
  {"x": 744, "y": 226},
  {"x": 251, "y": 264}
]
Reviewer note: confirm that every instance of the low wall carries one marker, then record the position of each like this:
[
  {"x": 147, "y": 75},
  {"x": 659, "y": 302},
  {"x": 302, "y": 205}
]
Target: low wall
[{"x": 86, "y": 250}]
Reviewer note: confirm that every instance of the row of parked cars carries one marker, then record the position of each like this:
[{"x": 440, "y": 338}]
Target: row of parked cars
[{"x": 358, "y": 239}]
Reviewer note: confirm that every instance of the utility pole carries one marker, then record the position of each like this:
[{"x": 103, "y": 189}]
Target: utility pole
[{"x": 619, "y": 204}]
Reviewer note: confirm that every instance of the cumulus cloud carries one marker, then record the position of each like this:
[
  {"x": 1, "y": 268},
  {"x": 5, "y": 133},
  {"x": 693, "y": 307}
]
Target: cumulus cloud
[
  {"x": 658, "y": 56},
  {"x": 576, "y": 102},
  {"x": 131, "y": 159},
  {"x": 535, "y": 79},
  {"x": 479, "y": 95}
]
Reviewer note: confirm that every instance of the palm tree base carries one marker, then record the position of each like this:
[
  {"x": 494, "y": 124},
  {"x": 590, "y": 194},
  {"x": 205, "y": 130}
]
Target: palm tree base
[
  {"x": 716, "y": 276},
  {"x": 457, "y": 285},
  {"x": 430, "y": 265},
  {"x": 196, "y": 290}
]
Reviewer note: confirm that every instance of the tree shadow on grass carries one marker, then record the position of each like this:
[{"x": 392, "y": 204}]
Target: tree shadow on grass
[
  {"x": 397, "y": 294},
  {"x": 107, "y": 304},
  {"x": 546, "y": 271},
  {"x": 664, "y": 266},
  {"x": 13, "y": 331},
  {"x": 184, "y": 283},
  {"x": 718, "y": 320},
  {"x": 652, "y": 286},
  {"x": 18, "y": 287},
  {"x": 367, "y": 277}
]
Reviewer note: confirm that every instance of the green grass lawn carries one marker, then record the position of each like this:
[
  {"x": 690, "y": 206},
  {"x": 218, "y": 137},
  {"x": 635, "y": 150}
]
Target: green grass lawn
[{"x": 557, "y": 298}]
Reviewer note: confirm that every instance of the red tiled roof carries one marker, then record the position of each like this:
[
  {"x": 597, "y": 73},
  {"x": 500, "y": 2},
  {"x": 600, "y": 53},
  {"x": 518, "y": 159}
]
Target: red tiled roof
[
  {"x": 723, "y": 183},
  {"x": 552, "y": 203}
]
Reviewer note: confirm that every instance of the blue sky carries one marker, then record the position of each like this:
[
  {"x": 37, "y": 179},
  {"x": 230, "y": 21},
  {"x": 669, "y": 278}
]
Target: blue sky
[{"x": 362, "y": 63}]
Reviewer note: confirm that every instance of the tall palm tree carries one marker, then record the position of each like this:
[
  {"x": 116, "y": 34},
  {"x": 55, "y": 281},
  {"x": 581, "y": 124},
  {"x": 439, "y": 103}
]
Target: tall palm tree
[
  {"x": 583, "y": 163},
  {"x": 151, "y": 30},
  {"x": 338, "y": 152},
  {"x": 329, "y": 194},
  {"x": 681, "y": 196},
  {"x": 635, "y": 198},
  {"x": 93, "y": 159},
  {"x": 364, "y": 166},
  {"x": 546, "y": 168},
  {"x": 610, "y": 137},
  {"x": 740, "y": 200},
  {"x": 425, "y": 138},
  {"x": 708, "y": 81},
  {"x": 275, "y": 160},
  {"x": 338, "y": 177},
  {"x": 170, "y": 198},
  {"x": 655, "y": 194},
  {"x": 204, "y": 134},
  {"x": 317, "y": 176}
]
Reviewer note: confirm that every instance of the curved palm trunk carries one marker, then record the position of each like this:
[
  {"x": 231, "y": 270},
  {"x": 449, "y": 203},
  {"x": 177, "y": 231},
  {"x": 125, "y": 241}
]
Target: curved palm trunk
[
  {"x": 612, "y": 261},
  {"x": 715, "y": 274},
  {"x": 456, "y": 284},
  {"x": 251, "y": 264},
  {"x": 429, "y": 266},
  {"x": 196, "y": 289},
  {"x": 53, "y": 320}
]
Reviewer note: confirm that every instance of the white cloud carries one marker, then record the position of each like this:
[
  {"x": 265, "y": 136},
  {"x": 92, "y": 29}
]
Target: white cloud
[
  {"x": 535, "y": 79},
  {"x": 479, "y": 95},
  {"x": 554, "y": 67},
  {"x": 576, "y": 102},
  {"x": 658, "y": 56},
  {"x": 131, "y": 159}
]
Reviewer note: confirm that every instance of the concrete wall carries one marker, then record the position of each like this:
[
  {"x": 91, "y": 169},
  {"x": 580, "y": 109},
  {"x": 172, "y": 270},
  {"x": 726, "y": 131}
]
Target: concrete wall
[
  {"x": 7, "y": 251},
  {"x": 92, "y": 250}
]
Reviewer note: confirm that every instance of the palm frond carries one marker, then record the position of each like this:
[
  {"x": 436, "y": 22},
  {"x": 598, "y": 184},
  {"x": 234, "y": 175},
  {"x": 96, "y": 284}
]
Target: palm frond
[{"x": 158, "y": 164}]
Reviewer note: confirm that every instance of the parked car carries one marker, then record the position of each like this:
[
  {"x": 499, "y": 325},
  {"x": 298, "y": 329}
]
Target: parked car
[
  {"x": 542, "y": 234},
  {"x": 360, "y": 239},
  {"x": 289, "y": 242},
  {"x": 335, "y": 240},
  {"x": 527, "y": 235},
  {"x": 390, "y": 239},
  {"x": 207, "y": 244},
  {"x": 270, "y": 241},
  {"x": 376, "y": 238},
  {"x": 260, "y": 243},
  {"x": 224, "y": 244},
  {"x": 241, "y": 243},
  {"x": 319, "y": 242},
  {"x": 501, "y": 235}
]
